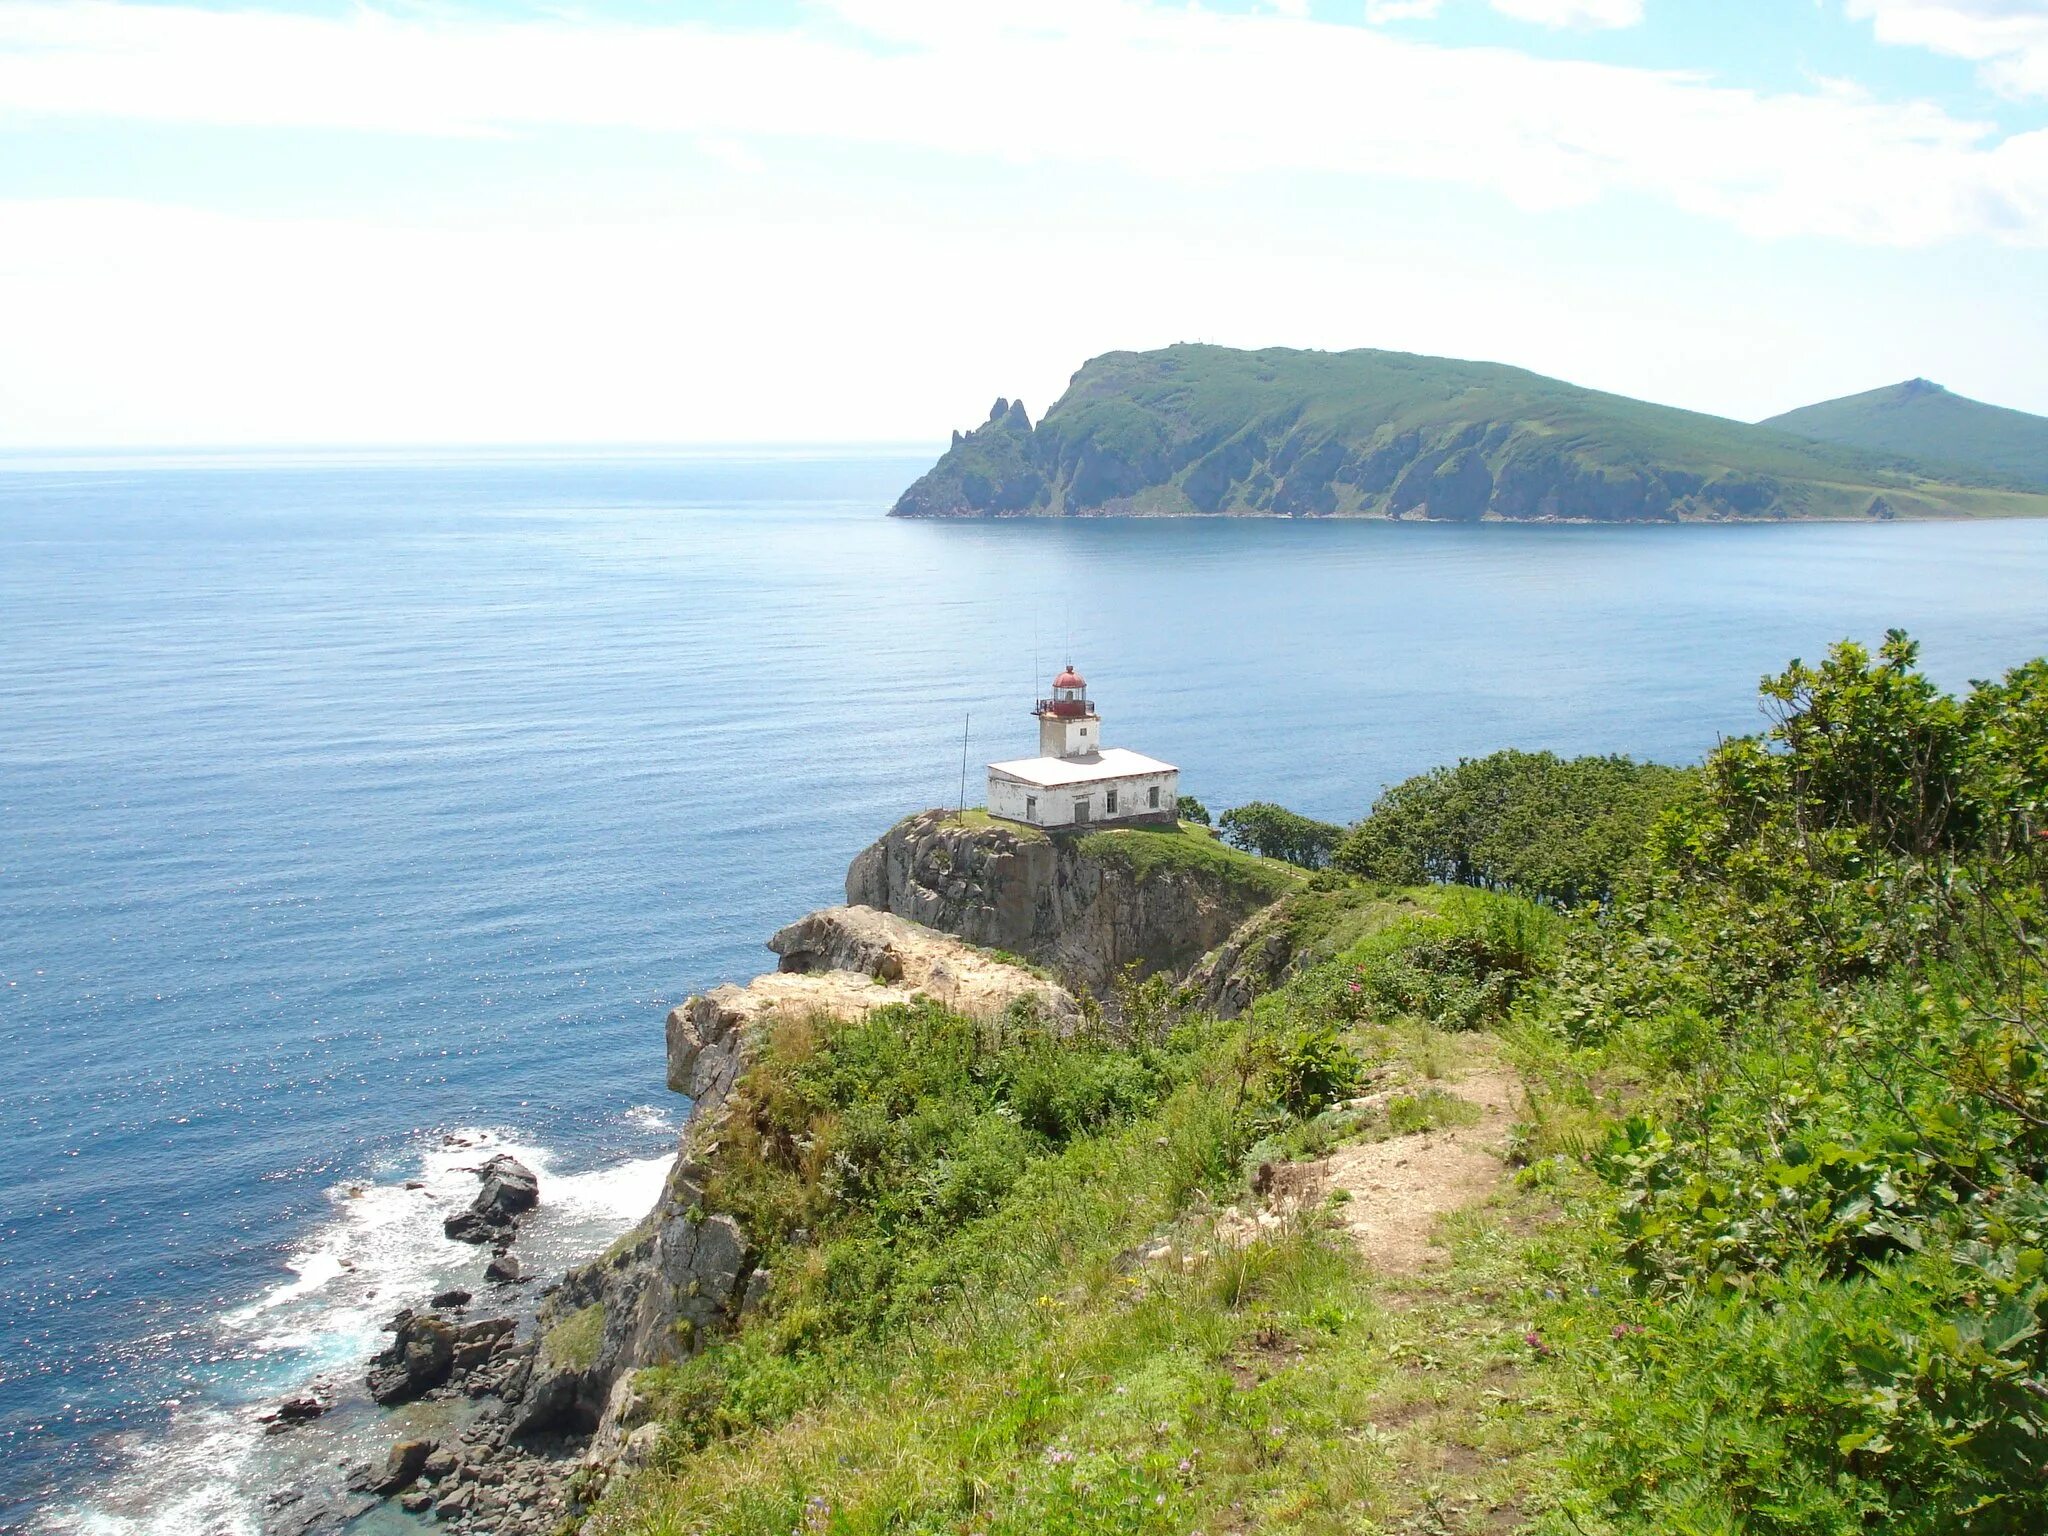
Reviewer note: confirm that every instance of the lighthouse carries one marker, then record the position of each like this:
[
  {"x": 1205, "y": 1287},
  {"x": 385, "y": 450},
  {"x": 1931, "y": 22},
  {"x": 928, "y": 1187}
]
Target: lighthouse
[{"x": 1075, "y": 780}]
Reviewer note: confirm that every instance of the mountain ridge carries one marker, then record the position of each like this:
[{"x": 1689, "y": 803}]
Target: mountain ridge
[
  {"x": 1925, "y": 421},
  {"x": 1195, "y": 429}
]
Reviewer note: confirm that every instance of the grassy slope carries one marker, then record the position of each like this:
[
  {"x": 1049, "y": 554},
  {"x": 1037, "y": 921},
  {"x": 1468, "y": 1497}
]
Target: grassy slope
[
  {"x": 1923, "y": 421},
  {"x": 1138, "y": 431},
  {"x": 1196, "y": 848},
  {"x": 1053, "y": 1383}
]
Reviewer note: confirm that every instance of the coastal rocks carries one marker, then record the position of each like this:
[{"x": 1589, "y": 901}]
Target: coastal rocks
[
  {"x": 454, "y": 1298},
  {"x": 1086, "y": 914},
  {"x": 293, "y": 1412},
  {"x": 845, "y": 962},
  {"x": 419, "y": 1358},
  {"x": 503, "y": 1269},
  {"x": 402, "y": 1466},
  {"x": 555, "y": 1412},
  {"x": 510, "y": 1190}
]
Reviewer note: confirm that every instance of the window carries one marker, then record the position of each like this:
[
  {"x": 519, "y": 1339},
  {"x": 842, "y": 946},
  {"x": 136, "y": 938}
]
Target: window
[
  {"x": 1109, "y": 802},
  {"x": 1153, "y": 792},
  {"x": 1031, "y": 806},
  {"x": 1081, "y": 809}
]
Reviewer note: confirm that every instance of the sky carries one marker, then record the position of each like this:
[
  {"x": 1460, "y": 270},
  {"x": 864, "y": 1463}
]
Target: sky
[{"x": 753, "y": 221}]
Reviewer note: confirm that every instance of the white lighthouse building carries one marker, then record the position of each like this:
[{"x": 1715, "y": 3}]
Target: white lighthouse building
[{"x": 1075, "y": 780}]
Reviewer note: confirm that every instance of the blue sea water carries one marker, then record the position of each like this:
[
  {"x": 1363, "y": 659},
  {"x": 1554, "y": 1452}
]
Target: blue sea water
[{"x": 349, "y": 805}]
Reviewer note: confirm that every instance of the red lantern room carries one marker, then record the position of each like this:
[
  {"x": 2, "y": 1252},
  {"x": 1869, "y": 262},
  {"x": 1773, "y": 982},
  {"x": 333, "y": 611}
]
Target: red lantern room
[
  {"x": 1067, "y": 722},
  {"x": 1069, "y": 695}
]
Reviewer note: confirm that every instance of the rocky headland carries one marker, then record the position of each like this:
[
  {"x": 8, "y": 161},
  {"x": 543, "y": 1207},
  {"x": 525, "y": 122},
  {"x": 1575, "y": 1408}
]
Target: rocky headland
[
  {"x": 974, "y": 914},
  {"x": 1205, "y": 431}
]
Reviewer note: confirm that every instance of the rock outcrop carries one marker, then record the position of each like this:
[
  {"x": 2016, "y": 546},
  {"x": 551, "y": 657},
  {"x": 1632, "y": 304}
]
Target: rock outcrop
[
  {"x": 510, "y": 1190},
  {"x": 687, "y": 1272},
  {"x": 1078, "y": 905}
]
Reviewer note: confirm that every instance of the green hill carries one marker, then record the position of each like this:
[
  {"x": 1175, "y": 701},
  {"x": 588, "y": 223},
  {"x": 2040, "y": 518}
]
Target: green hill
[
  {"x": 1202, "y": 429},
  {"x": 1921, "y": 420}
]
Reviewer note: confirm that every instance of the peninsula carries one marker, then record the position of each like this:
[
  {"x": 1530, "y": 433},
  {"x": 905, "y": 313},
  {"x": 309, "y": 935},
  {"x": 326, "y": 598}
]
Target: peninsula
[
  {"x": 1206, "y": 430},
  {"x": 1571, "y": 1145}
]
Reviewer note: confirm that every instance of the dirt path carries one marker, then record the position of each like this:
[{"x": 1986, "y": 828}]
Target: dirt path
[{"x": 1396, "y": 1189}]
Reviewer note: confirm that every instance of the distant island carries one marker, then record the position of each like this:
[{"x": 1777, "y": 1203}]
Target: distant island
[{"x": 1206, "y": 430}]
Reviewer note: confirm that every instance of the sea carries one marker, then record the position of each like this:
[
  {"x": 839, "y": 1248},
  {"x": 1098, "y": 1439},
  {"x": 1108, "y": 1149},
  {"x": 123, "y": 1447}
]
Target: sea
[{"x": 362, "y": 813}]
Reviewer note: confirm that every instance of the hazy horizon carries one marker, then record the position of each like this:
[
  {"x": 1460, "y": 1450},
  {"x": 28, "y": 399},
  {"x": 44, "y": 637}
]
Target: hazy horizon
[{"x": 862, "y": 220}]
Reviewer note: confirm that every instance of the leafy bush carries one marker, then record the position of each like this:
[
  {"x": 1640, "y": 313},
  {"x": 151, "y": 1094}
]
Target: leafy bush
[
  {"x": 1313, "y": 1067},
  {"x": 1274, "y": 832},
  {"x": 1188, "y": 808},
  {"x": 1831, "y": 1191},
  {"x": 1548, "y": 828}
]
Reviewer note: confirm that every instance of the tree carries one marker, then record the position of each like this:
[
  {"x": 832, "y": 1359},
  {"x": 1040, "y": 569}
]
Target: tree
[
  {"x": 1562, "y": 830},
  {"x": 1188, "y": 808},
  {"x": 1278, "y": 833}
]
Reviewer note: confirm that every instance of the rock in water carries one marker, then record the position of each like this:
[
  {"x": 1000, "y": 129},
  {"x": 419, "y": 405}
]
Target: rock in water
[
  {"x": 420, "y": 1358},
  {"x": 503, "y": 1270},
  {"x": 402, "y": 1466},
  {"x": 510, "y": 1190},
  {"x": 291, "y": 1413}
]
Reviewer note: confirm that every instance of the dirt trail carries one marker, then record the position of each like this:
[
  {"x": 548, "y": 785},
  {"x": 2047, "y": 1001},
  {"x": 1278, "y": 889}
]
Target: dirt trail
[{"x": 1397, "y": 1188}]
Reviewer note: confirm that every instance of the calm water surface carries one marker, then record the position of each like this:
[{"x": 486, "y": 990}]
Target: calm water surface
[{"x": 345, "y": 806}]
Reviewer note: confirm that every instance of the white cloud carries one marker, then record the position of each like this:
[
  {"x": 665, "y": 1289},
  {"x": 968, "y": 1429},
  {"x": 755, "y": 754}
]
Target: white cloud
[
  {"x": 140, "y": 323},
  {"x": 2008, "y": 39},
  {"x": 1182, "y": 94},
  {"x": 1377, "y": 11},
  {"x": 1574, "y": 13}
]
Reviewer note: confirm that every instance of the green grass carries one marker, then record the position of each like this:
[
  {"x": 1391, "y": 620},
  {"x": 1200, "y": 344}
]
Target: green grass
[
  {"x": 976, "y": 819},
  {"x": 574, "y": 1341},
  {"x": 1204, "y": 429},
  {"x": 1923, "y": 421},
  {"x": 1145, "y": 850}
]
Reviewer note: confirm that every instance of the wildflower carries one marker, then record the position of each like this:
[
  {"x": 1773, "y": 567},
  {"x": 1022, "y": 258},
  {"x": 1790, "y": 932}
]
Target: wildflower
[
  {"x": 1356, "y": 987},
  {"x": 1159, "y": 1501},
  {"x": 1535, "y": 1341},
  {"x": 1058, "y": 1456},
  {"x": 1187, "y": 1465}
]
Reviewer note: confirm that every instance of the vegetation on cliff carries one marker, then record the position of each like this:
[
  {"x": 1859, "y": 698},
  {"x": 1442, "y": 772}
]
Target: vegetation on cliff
[
  {"x": 1549, "y": 828},
  {"x": 1774, "y": 1257},
  {"x": 1204, "y": 429},
  {"x": 1923, "y": 421}
]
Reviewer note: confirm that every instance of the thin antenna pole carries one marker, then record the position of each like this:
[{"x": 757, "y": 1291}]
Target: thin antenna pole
[{"x": 964, "y": 724}]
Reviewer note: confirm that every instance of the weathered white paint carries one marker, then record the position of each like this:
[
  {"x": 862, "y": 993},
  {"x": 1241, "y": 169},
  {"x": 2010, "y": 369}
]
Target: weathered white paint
[
  {"x": 1075, "y": 780},
  {"x": 1058, "y": 804},
  {"x": 1065, "y": 736}
]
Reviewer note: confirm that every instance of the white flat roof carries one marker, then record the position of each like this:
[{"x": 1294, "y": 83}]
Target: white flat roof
[{"x": 1093, "y": 768}]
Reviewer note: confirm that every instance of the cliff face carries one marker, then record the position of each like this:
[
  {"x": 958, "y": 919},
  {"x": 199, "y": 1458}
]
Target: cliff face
[
  {"x": 1211, "y": 430},
  {"x": 1085, "y": 906},
  {"x": 920, "y": 900},
  {"x": 688, "y": 1271}
]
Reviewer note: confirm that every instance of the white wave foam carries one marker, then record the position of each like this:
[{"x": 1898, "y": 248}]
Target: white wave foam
[
  {"x": 649, "y": 1117},
  {"x": 193, "y": 1480},
  {"x": 381, "y": 1248}
]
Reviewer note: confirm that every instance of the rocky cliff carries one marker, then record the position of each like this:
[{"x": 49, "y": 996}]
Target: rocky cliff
[
  {"x": 688, "y": 1271},
  {"x": 1212, "y": 430},
  {"x": 926, "y": 904},
  {"x": 1086, "y": 906}
]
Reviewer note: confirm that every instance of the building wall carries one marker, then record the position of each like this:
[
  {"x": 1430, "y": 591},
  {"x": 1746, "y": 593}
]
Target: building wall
[
  {"x": 1055, "y": 807},
  {"x": 1069, "y": 738}
]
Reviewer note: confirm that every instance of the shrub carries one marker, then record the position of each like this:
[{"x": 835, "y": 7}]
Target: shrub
[
  {"x": 1274, "y": 832},
  {"x": 1565, "y": 831}
]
